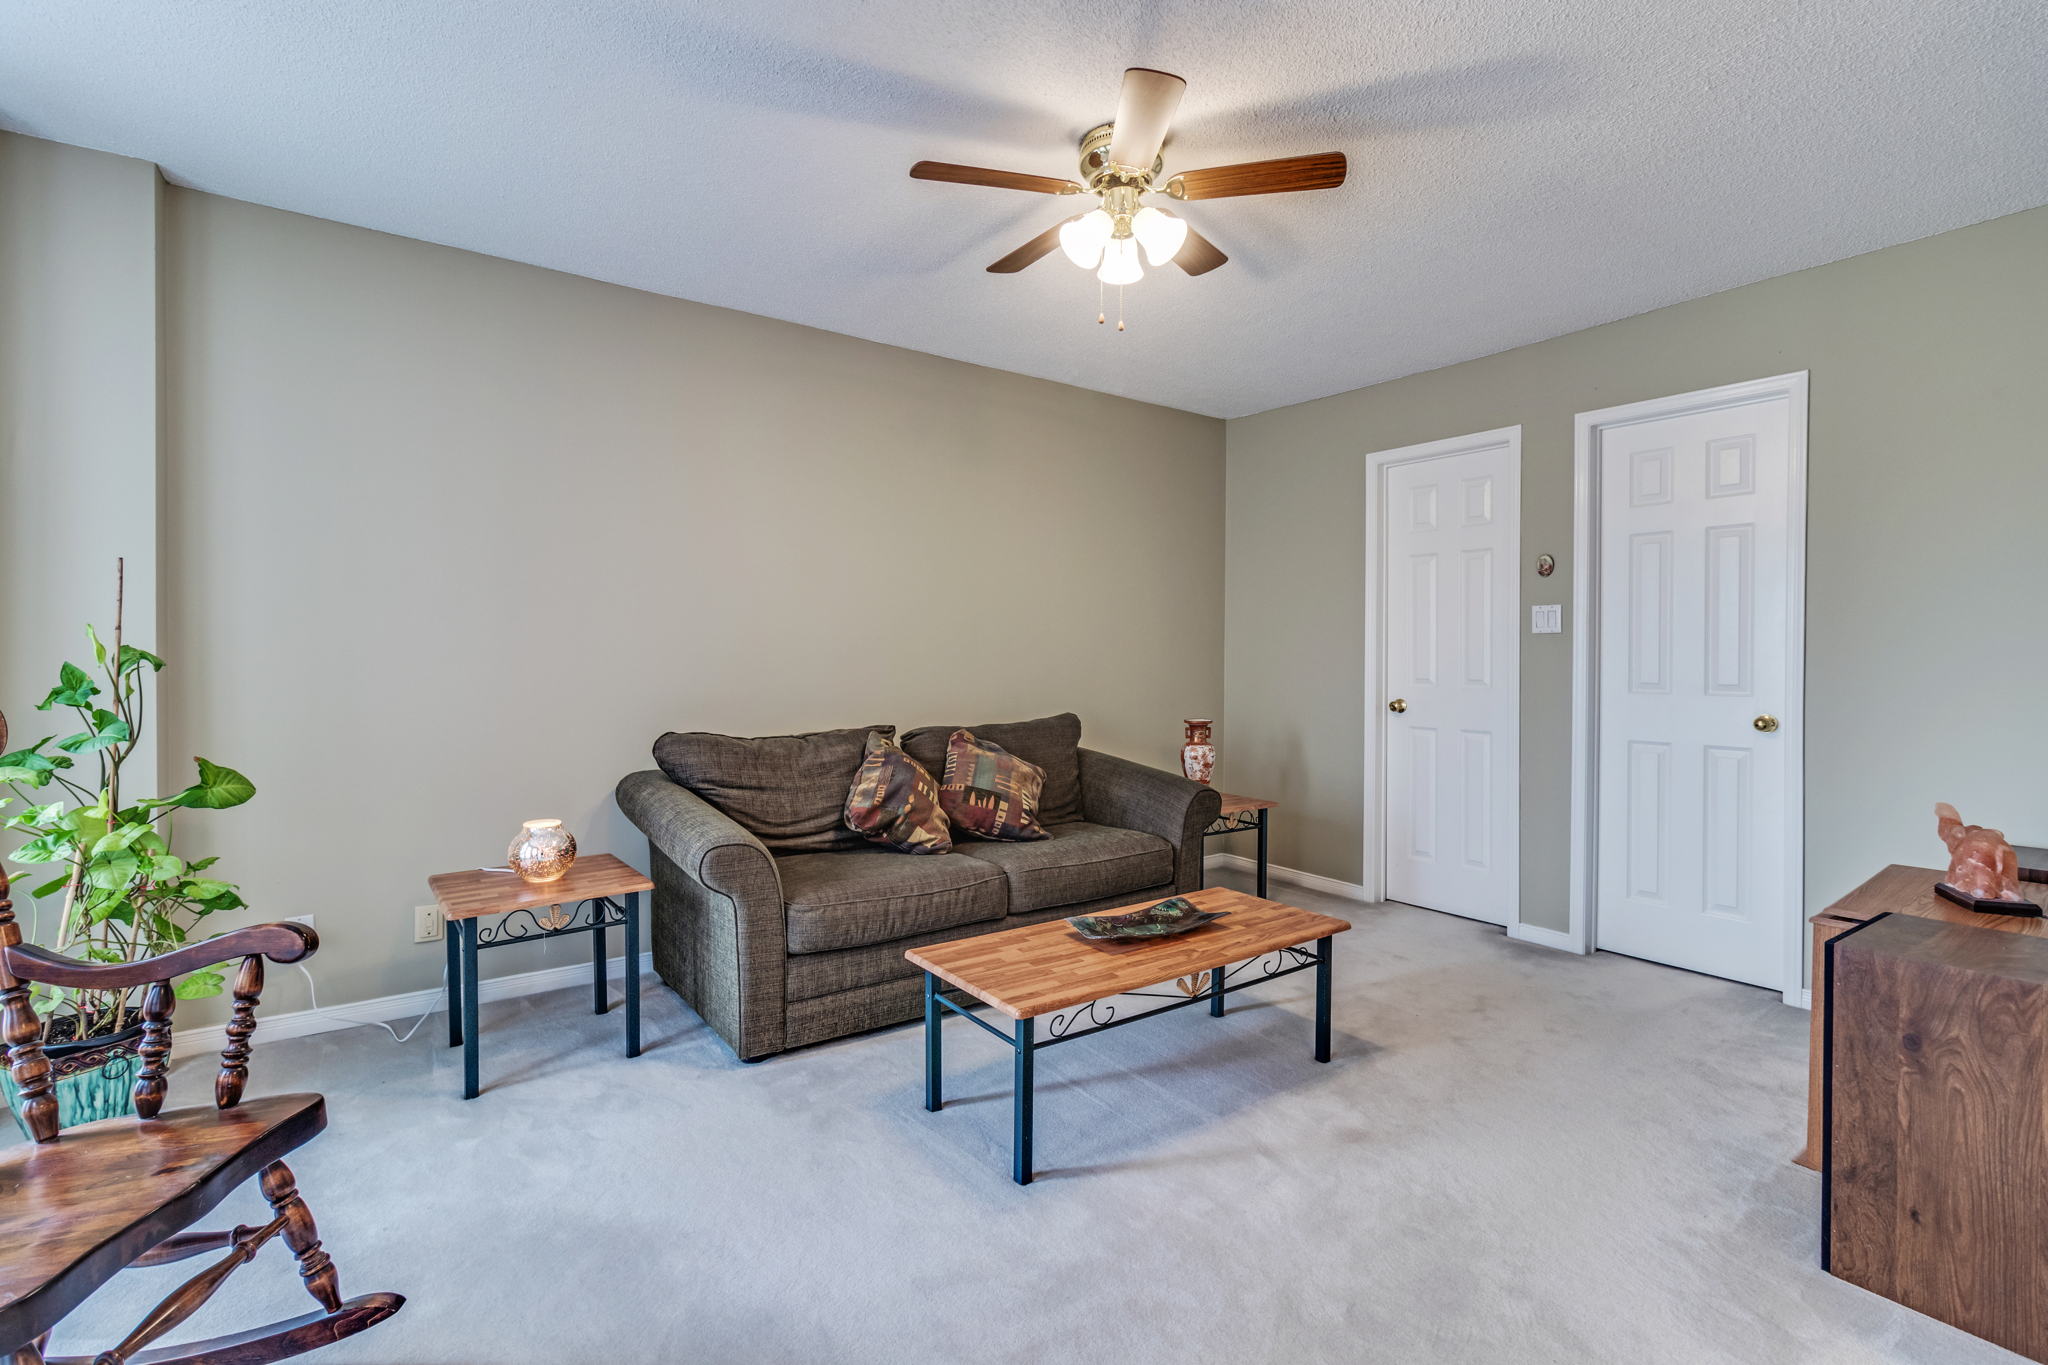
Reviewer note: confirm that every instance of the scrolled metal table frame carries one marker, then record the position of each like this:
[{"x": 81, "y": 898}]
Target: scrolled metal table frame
[
  {"x": 1101, "y": 1015},
  {"x": 467, "y": 937},
  {"x": 1244, "y": 822}
]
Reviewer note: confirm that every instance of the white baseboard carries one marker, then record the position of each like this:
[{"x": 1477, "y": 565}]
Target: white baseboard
[
  {"x": 275, "y": 1028},
  {"x": 1556, "y": 939},
  {"x": 1800, "y": 999},
  {"x": 1329, "y": 886}
]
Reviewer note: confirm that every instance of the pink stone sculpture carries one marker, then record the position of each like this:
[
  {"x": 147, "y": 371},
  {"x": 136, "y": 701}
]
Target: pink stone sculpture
[{"x": 1980, "y": 861}]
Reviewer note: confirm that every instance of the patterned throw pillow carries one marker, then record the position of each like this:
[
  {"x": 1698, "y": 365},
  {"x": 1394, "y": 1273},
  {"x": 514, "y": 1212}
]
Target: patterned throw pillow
[
  {"x": 894, "y": 802},
  {"x": 989, "y": 791}
]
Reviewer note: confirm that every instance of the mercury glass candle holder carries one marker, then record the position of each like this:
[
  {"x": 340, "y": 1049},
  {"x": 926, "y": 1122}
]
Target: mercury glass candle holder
[{"x": 542, "y": 852}]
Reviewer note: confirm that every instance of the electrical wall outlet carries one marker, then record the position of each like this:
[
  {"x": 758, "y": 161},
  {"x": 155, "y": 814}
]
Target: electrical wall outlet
[
  {"x": 427, "y": 924},
  {"x": 306, "y": 920}
]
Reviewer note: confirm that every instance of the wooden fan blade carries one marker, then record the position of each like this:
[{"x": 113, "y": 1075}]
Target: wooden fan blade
[
  {"x": 1002, "y": 180},
  {"x": 1198, "y": 255},
  {"x": 1044, "y": 244},
  {"x": 1143, "y": 112},
  {"x": 1323, "y": 171}
]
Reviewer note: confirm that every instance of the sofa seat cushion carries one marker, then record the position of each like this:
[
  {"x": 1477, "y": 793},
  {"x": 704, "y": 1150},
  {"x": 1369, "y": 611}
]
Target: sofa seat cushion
[
  {"x": 1077, "y": 862},
  {"x": 863, "y": 896}
]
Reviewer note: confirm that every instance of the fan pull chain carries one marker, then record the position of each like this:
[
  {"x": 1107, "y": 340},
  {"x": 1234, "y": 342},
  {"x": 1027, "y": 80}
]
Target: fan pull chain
[
  {"x": 1100, "y": 316},
  {"x": 1119, "y": 308}
]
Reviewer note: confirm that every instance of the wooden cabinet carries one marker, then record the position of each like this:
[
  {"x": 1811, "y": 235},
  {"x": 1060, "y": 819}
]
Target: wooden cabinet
[
  {"x": 1895, "y": 891},
  {"x": 1935, "y": 1152}
]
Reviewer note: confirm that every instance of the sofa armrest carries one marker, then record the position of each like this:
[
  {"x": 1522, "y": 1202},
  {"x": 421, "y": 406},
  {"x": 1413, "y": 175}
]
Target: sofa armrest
[
  {"x": 1117, "y": 792},
  {"x": 718, "y": 930},
  {"x": 697, "y": 837}
]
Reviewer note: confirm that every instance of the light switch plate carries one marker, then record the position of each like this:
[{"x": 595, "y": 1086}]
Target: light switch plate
[{"x": 1546, "y": 620}]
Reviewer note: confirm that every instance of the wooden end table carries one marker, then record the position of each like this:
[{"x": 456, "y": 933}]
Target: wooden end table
[
  {"x": 1050, "y": 970},
  {"x": 599, "y": 893},
  {"x": 1898, "y": 890},
  {"x": 1241, "y": 814}
]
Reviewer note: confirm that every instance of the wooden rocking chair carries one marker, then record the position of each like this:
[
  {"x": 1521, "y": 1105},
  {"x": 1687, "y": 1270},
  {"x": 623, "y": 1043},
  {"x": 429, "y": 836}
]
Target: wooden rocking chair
[{"x": 75, "y": 1208}]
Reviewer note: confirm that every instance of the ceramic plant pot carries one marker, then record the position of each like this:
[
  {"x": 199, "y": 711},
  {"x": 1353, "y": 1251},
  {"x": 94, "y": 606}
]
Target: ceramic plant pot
[
  {"x": 94, "y": 1079},
  {"x": 542, "y": 852},
  {"x": 1198, "y": 755}
]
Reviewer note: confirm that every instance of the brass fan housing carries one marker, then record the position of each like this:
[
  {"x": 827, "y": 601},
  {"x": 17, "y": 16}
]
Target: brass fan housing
[{"x": 1096, "y": 170}]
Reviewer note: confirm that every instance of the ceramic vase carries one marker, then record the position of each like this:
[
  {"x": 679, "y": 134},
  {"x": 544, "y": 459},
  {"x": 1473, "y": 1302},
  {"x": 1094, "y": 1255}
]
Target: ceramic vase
[
  {"x": 1198, "y": 755},
  {"x": 93, "y": 1079},
  {"x": 542, "y": 852}
]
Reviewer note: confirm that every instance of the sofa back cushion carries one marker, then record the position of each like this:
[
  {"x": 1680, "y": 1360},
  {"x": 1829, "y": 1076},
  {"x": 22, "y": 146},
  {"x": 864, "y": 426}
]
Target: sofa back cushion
[
  {"x": 1053, "y": 744},
  {"x": 788, "y": 791}
]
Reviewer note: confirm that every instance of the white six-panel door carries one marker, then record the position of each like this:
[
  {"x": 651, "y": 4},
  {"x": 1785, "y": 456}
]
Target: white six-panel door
[
  {"x": 1449, "y": 615},
  {"x": 1693, "y": 733}
]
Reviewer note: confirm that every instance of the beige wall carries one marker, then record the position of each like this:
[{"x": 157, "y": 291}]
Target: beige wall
[
  {"x": 78, "y": 415},
  {"x": 447, "y": 541},
  {"x": 1928, "y": 483},
  {"x": 450, "y": 540}
]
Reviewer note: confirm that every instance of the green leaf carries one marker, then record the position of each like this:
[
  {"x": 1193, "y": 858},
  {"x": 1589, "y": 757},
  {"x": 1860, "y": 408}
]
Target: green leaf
[
  {"x": 217, "y": 788},
  {"x": 46, "y": 849},
  {"x": 30, "y": 767},
  {"x": 119, "y": 837},
  {"x": 51, "y": 887},
  {"x": 55, "y": 815},
  {"x": 201, "y": 864},
  {"x": 112, "y": 871},
  {"x": 108, "y": 729},
  {"x": 133, "y": 658},
  {"x": 165, "y": 866},
  {"x": 199, "y": 985},
  {"x": 226, "y": 900},
  {"x": 99, "y": 651},
  {"x": 114, "y": 908},
  {"x": 199, "y": 888},
  {"x": 74, "y": 688}
]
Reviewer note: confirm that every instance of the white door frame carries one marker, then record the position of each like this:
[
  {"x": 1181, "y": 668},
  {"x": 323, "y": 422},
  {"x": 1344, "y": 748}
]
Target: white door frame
[
  {"x": 1376, "y": 466},
  {"x": 1587, "y": 428}
]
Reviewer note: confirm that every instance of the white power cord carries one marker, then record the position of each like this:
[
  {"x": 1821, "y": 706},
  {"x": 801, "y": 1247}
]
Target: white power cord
[{"x": 406, "y": 1037}]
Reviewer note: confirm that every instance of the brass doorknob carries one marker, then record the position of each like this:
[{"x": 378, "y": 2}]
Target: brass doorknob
[
  {"x": 1765, "y": 723},
  {"x": 1398, "y": 704}
]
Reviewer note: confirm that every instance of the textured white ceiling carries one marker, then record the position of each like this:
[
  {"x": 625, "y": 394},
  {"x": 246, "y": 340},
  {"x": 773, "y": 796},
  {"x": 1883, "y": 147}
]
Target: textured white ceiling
[{"x": 1518, "y": 169}]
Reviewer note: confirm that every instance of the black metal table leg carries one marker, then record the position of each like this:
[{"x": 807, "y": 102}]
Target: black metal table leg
[
  {"x": 632, "y": 932},
  {"x": 1216, "y": 978},
  {"x": 470, "y": 1085},
  {"x": 1262, "y": 854},
  {"x": 450, "y": 939},
  {"x": 934, "y": 1088},
  {"x": 601, "y": 999},
  {"x": 1323, "y": 948},
  {"x": 1020, "y": 1137}
]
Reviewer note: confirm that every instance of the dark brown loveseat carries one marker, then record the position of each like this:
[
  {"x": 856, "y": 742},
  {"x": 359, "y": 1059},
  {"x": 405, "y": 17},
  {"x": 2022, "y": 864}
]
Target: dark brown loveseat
[{"x": 781, "y": 927}]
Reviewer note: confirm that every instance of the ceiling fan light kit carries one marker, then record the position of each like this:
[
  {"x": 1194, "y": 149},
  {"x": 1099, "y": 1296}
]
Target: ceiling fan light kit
[{"x": 1120, "y": 164}]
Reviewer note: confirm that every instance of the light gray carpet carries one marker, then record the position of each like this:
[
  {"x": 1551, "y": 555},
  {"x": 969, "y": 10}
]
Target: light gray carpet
[{"x": 1515, "y": 1156}]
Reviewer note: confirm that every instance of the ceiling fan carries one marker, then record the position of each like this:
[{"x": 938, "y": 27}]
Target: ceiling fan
[{"x": 1120, "y": 164}]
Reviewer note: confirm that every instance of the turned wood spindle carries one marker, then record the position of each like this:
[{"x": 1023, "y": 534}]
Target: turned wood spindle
[
  {"x": 20, "y": 1027},
  {"x": 155, "y": 1049},
  {"x": 281, "y": 1189},
  {"x": 234, "y": 1058}
]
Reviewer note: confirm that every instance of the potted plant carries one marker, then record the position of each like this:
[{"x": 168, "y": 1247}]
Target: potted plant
[{"x": 122, "y": 894}]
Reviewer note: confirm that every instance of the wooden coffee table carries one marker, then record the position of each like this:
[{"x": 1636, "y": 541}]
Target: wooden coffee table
[{"x": 1050, "y": 970}]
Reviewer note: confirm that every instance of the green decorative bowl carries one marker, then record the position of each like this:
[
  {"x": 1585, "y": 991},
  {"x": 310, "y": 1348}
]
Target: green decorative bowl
[{"x": 1168, "y": 917}]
